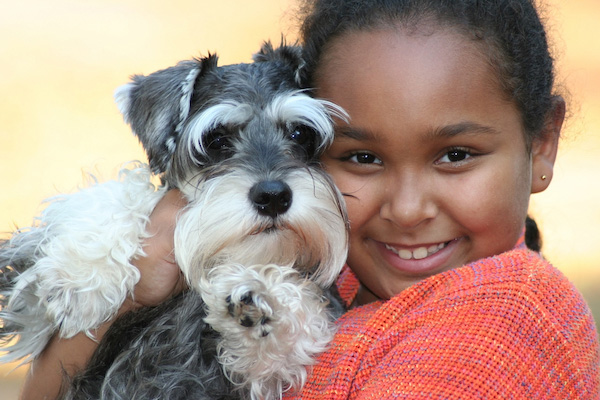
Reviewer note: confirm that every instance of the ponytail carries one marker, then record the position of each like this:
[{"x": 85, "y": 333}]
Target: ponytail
[{"x": 533, "y": 238}]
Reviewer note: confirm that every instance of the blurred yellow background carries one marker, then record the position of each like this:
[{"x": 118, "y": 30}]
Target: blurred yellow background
[{"x": 61, "y": 60}]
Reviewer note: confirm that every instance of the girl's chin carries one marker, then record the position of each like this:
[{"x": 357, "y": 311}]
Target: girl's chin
[{"x": 428, "y": 265}]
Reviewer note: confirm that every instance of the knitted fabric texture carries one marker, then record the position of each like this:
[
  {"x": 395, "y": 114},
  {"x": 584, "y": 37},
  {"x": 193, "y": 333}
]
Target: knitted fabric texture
[{"x": 506, "y": 327}]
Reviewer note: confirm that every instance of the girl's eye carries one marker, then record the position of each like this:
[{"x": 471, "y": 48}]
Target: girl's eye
[
  {"x": 364, "y": 158},
  {"x": 455, "y": 156}
]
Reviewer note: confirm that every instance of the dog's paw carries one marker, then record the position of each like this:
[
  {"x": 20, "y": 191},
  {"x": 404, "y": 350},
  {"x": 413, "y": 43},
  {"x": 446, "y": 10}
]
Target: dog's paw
[{"x": 251, "y": 310}]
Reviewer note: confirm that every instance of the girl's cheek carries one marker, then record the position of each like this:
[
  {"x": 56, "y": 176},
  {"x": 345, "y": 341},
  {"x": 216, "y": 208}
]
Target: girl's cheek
[
  {"x": 346, "y": 182},
  {"x": 493, "y": 204}
]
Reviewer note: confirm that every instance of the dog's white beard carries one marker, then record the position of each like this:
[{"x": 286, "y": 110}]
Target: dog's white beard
[{"x": 221, "y": 226}]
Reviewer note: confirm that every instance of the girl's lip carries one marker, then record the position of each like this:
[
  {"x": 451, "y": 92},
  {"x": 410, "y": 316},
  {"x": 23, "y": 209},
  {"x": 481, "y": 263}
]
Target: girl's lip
[{"x": 420, "y": 259}]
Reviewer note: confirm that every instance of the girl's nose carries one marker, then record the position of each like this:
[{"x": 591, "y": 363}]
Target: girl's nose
[{"x": 408, "y": 202}]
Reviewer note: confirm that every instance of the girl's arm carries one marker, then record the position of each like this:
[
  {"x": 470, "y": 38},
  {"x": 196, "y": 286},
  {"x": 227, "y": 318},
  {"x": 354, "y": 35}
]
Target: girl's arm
[
  {"x": 160, "y": 279},
  {"x": 62, "y": 356}
]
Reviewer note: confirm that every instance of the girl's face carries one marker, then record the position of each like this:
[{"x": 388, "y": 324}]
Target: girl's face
[{"x": 433, "y": 160}]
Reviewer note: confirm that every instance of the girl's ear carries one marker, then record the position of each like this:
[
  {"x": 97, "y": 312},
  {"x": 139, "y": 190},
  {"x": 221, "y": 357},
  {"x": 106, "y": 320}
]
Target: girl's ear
[{"x": 545, "y": 147}]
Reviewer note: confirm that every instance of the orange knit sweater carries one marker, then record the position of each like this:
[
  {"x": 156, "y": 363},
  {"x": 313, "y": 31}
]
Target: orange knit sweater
[{"x": 506, "y": 327}]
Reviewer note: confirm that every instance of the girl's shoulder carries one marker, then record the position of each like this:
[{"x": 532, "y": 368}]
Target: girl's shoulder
[
  {"x": 517, "y": 291},
  {"x": 516, "y": 278},
  {"x": 510, "y": 325},
  {"x": 519, "y": 272},
  {"x": 518, "y": 286}
]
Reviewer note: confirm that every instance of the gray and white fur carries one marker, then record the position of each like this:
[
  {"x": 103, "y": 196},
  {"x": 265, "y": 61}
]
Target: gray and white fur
[{"x": 264, "y": 232}]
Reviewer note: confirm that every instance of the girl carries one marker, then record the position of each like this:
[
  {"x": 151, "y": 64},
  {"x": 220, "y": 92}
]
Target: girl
[{"x": 453, "y": 124}]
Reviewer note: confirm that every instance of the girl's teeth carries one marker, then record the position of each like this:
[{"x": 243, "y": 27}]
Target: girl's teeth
[
  {"x": 418, "y": 253},
  {"x": 405, "y": 254}
]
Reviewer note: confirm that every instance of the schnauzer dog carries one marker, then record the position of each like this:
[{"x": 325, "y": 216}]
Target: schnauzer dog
[{"x": 264, "y": 232}]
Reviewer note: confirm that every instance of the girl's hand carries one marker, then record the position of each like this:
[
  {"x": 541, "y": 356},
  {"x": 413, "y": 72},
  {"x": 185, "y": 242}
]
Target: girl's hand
[{"x": 160, "y": 277}]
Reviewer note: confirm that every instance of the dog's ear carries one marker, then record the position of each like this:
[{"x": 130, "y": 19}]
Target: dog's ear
[
  {"x": 157, "y": 106},
  {"x": 288, "y": 54}
]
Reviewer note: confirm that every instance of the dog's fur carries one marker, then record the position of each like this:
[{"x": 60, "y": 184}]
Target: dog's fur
[{"x": 264, "y": 232}]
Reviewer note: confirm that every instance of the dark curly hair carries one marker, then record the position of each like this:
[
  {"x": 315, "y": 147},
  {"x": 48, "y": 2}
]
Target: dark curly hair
[{"x": 510, "y": 32}]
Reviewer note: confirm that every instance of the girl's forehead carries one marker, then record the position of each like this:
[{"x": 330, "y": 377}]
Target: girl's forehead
[
  {"x": 401, "y": 64},
  {"x": 391, "y": 83},
  {"x": 429, "y": 46}
]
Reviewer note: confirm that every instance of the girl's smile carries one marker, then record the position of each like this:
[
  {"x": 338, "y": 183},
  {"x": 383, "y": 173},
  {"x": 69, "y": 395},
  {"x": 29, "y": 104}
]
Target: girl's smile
[
  {"x": 417, "y": 260},
  {"x": 433, "y": 162},
  {"x": 419, "y": 253}
]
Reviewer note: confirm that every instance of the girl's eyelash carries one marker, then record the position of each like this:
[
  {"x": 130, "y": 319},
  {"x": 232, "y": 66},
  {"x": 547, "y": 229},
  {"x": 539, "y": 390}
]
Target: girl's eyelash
[
  {"x": 451, "y": 157},
  {"x": 456, "y": 156},
  {"x": 362, "y": 157}
]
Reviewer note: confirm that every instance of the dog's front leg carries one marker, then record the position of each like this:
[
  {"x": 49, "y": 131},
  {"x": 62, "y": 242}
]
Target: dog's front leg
[{"x": 80, "y": 255}]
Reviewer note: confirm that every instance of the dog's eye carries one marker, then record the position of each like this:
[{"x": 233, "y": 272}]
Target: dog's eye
[
  {"x": 304, "y": 136},
  {"x": 216, "y": 139},
  {"x": 217, "y": 143}
]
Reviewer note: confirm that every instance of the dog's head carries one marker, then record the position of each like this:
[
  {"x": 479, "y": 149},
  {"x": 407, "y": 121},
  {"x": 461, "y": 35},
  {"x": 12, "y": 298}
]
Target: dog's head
[
  {"x": 188, "y": 116},
  {"x": 243, "y": 142}
]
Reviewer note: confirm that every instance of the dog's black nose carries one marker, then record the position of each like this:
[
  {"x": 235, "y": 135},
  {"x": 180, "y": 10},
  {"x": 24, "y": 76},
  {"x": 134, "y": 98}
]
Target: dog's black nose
[{"x": 271, "y": 198}]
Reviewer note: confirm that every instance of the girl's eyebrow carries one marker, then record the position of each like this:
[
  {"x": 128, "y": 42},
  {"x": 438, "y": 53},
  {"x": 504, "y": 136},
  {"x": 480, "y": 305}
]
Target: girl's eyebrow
[
  {"x": 445, "y": 132},
  {"x": 354, "y": 133},
  {"x": 462, "y": 128}
]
